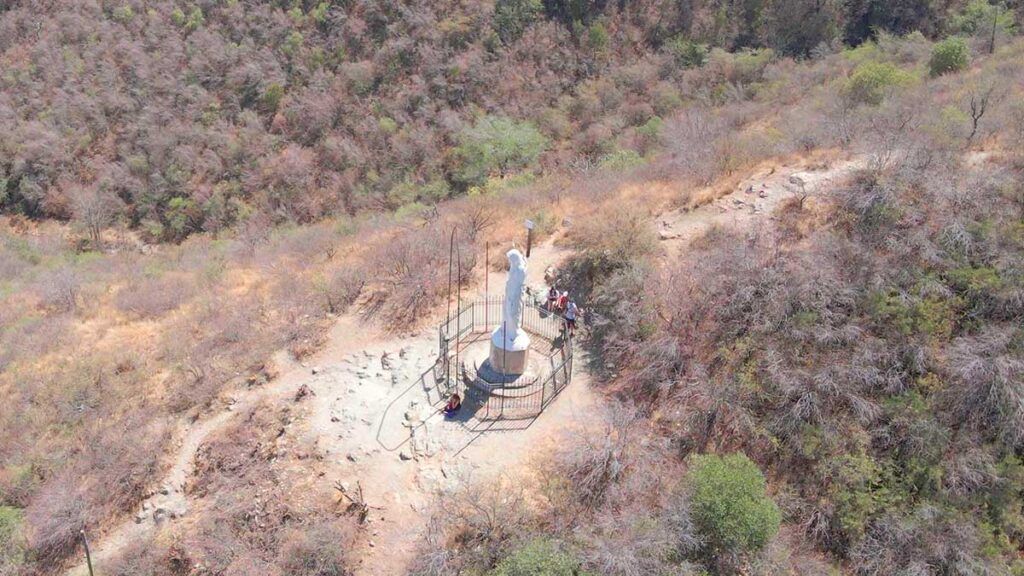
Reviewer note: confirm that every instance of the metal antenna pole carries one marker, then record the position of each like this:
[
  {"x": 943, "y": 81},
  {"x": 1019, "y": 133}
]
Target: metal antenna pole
[{"x": 88, "y": 555}]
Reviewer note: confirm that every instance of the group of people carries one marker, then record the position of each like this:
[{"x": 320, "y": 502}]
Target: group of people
[{"x": 559, "y": 301}]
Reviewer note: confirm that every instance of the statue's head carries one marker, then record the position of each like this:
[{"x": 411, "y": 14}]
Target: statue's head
[{"x": 516, "y": 260}]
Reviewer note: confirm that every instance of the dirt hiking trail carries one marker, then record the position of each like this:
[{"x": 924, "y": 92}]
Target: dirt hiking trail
[{"x": 372, "y": 421}]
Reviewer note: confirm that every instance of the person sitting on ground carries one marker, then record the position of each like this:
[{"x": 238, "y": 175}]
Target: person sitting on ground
[
  {"x": 453, "y": 406},
  {"x": 572, "y": 313},
  {"x": 552, "y": 298}
]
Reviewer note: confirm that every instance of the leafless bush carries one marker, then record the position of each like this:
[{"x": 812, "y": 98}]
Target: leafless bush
[
  {"x": 154, "y": 297},
  {"x": 320, "y": 549},
  {"x": 924, "y": 542},
  {"x": 413, "y": 270},
  {"x": 341, "y": 288},
  {"x": 605, "y": 244},
  {"x": 59, "y": 290},
  {"x": 989, "y": 370},
  {"x": 598, "y": 460},
  {"x": 638, "y": 541},
  {"x": 54, "y": 518},
  {"x": 693, "y": 140},
  {"x": 239, "y": 455},
  {"x": 477, "y": 525}
]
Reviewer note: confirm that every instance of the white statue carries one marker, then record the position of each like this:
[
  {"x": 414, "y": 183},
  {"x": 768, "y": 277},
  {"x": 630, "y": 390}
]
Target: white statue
[{"x": 509, "y": 342}]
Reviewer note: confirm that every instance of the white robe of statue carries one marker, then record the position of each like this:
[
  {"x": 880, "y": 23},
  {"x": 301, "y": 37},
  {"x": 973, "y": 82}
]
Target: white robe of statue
[{"x": 510, "y": 335}]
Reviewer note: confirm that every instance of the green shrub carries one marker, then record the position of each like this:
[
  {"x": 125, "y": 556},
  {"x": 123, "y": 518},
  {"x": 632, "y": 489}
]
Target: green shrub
[
  {"x": 872, "y": 82},
  {"x": 949, "y": 56},
  {"x": 729, "y": 504},
  {"x": 513, "y": 17},
  {"x": 11, "y": 547},
  {"x": 538, "y": 558},
  {"x": 686, "y": 53},
  {"x": 496, "y": 146}
]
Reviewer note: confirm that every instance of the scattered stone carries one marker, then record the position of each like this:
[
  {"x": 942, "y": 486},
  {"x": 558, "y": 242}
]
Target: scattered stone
[
  {"x": 667, "y": 235},
  {"x": 303, "y": 392},
  {"x": 385, "y": 361},
  {"x": 763, "y": 194},
  {"x": 403, "y": 351},
  {"x": 165, "y": 489},
  {"x": 351, "y": 457},
  {"x": 372, "y": 544},
  {"x": 334, "y": 418},
  {"x": 316, "y": 370},
  {"x": 159, "y": 515},
  {"x": 567, "y": 222},
  {"x": 404, "y": 456}
]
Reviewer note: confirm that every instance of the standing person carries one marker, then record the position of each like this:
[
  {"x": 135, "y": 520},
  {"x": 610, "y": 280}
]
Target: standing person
[
  {"x": 572, "y": 313},
  {"x": 552, "y": 298}
]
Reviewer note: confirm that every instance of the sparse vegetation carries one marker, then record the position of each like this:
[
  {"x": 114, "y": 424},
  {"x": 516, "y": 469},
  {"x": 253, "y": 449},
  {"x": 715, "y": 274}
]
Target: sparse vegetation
[{"x": 864, "y": 352}]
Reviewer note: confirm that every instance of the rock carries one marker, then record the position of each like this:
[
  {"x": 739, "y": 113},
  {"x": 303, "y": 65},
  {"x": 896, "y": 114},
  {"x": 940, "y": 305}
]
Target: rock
[
  {"x": 667, "y": 235},
  {"x": 404, "y": 456},
  {"x": 141, "y": 517},
  {"x": 763, "y": 194},
  {"x": 372, "y": 544},
  {"x": 159, "y": 515},
  {"x": 316, "y": 370},
  {"x": 334, "y": 418},
  {"x": 403, "y": 351},
  {"x": 567, "y": 222},
  {"x": 303, "y": 392},
  {"x": 351, "y": 457},
  {"x": 165, "y": 489}
]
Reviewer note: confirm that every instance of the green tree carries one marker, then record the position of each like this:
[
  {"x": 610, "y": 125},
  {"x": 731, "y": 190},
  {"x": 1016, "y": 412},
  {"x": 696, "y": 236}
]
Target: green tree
[
  {"x": 538, "y": 558},
  {"x": 873, "y": 82},
  {"x": 729, "y": 504},
  {"x": 979, "y": 16},
  {"x": 949, "y": 56},
  {"x": 513, "y": 17},
  {"x": 686, "y": 53},
  {"x": 496, "y": 146}
]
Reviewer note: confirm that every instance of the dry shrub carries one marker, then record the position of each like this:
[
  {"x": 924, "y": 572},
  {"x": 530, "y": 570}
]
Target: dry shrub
[
  {"x": 318, "y": 549},
  {"x": 476, "y": 527},
  {"x": 111, "y": 476},
  {"x": 413, "y": 272},
  {"x": 240, "y": 454},
  {"x": 59, "y": 290},
  {"x": 606, "y": 243},
  {"x": 154, "y": 297},
  {"x": 253, "y": 522}
]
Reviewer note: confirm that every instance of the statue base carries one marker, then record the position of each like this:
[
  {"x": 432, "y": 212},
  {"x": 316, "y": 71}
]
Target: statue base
[{"x": 509, "y": 351}]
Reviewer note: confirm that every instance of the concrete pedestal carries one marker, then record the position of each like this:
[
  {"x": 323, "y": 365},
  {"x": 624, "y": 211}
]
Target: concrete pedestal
[{"x": 509, "y": 351}]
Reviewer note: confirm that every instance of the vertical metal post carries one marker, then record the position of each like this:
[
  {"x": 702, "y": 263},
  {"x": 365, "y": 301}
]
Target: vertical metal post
[
  {"x": 458, "y": 322},
  {"x": 448, "y": 315},
  {"x": 487, "y": 275},
  {"x": 88, "y": 554}
]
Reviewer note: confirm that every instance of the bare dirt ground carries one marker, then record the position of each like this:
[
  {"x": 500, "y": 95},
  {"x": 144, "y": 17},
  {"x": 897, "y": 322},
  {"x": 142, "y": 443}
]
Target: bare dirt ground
[
  {"x": 372, "y": 421},
  {"x": 751, "y": 200}
]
